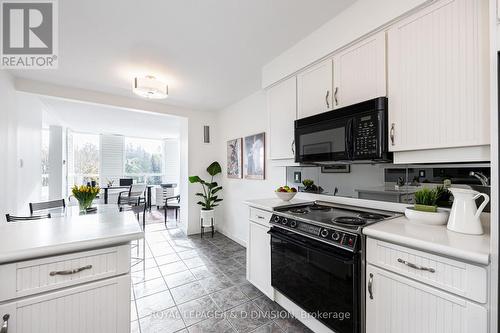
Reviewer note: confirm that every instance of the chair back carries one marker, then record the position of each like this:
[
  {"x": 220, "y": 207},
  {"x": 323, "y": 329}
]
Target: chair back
[
  {"x": 137, "y": 190},
  {"x": 11, "y": 218},
  {"x": 36, "y": 206}
]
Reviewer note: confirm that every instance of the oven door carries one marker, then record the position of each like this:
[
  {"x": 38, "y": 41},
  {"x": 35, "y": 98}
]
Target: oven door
[
  {"x": 321, "y": 279},
  {"x": 324, "y": 141}
]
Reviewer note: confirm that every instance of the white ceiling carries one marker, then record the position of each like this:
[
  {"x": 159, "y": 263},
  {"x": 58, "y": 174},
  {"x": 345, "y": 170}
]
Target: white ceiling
[
  {"x": 210, "y": 51},
  {"x": 91, "y": 118}
]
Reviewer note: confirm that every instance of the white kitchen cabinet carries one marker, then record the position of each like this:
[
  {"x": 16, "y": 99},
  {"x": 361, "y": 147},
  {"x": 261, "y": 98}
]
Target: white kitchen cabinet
[
  {"x": 315, "y": 89},
  {"x": 100, "y": 307},
  {"x": 438, "y": 77},
  {"x": 359, "y": 72},
  {"x": 282, "y": 109},
  {"x": 259, "y": 257},
  {"x": 396, "y": 304}
]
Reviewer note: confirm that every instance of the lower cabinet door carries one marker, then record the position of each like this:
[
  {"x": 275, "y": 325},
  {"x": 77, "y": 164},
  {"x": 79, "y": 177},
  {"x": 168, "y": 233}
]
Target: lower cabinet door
[
  {"x": 259, "y": 258},
  {"x": 98, "y": 307},
  {"x": 396, "y": 304}
]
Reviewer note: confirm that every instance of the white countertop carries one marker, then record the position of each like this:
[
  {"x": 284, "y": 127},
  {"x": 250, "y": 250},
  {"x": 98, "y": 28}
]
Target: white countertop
[
  {"x": 68, "y": 233},
  {"x": 436, "y": 239}
]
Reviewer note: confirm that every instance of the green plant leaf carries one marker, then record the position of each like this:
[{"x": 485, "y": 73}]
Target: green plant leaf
[
  {"x": 214, "y": 169},
  {"x": 218, "y": 200},
  {"x": 195, "y": 179},
  {"x": 217, "y": 189},
  {"x": 201, "y": 203},
  {"x": 200, "y": 194}
]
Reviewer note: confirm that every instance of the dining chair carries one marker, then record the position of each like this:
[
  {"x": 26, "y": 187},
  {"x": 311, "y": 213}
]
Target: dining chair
[
  {"x": 173, "y": 202},
  {"x": 133, "y": 197},
  {"x": 12, "y": 218},
  {"x": 36, "y": 206}
]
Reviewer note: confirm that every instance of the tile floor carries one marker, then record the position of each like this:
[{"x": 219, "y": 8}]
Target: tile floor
[{"x": 199, "y": 285}]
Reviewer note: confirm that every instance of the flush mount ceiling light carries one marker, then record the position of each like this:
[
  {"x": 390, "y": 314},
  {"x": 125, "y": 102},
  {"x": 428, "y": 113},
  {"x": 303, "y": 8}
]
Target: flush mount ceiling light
[{"x": 150, "y": 87}]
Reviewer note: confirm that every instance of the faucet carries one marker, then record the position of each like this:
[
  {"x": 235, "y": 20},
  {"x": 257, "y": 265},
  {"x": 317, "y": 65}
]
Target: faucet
[{"x": 485, "y": 181}]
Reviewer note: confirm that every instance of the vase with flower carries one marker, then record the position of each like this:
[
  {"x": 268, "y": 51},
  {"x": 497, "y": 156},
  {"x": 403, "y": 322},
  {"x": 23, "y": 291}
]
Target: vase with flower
[{"x": 85, "y": 196}]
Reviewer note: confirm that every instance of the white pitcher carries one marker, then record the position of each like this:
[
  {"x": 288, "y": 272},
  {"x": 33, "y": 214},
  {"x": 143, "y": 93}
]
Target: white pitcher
[{"x": 464, "y": 215}]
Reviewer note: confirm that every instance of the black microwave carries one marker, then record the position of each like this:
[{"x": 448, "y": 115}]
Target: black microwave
[{"x": 354, "y": 134}]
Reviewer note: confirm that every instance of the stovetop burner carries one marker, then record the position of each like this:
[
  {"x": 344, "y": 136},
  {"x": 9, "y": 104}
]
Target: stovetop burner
[
  {"x": 352, "y": 220},
  {"x": 371, "y": 216},
  {"x": 298, "y": 211}
]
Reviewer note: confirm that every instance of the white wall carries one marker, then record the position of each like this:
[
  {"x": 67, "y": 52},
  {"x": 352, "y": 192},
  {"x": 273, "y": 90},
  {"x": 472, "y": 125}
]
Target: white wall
[
  {"x": 247, "y": 117},
  {"x": 8, "y": 105},
  {"x": 29, "y": 139},
  {"x": 361, "y": 18}
]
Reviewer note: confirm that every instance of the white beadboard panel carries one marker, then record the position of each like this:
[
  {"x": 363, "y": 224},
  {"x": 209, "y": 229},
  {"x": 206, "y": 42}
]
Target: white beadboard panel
[
  {"x": 359, "y": 72},
  {"x": 100, "y": 307},
  {"x": 438, "y": 77},
  {"x": 33, "y": 276},
  {"x": 315, "y": 89},
  {"x": 111, "y": 157},
  {"x": 460, "y": 278},
  {"x": 403, "y": 305},
  {"x": 282, "y": 110}
]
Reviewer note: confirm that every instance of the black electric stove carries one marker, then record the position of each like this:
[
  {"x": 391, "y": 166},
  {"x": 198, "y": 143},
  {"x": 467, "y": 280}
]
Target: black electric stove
[{"x": 318, "y": 260}]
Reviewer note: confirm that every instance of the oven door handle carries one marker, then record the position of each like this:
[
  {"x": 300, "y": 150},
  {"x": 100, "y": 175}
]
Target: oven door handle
[{"x": 305, "y": 243}]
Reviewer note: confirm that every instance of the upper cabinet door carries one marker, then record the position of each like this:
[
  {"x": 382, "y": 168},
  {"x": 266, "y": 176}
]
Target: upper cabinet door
[
  {"x": 314, "y": 89},
  {"x": 438, "y": 77},
  {"x": 282, "y": 108},
  {"x": 359, "y": 72}
]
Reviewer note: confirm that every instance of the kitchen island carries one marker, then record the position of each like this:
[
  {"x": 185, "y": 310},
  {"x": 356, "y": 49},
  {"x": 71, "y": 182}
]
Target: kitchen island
[{"x": 70, "y": 273}]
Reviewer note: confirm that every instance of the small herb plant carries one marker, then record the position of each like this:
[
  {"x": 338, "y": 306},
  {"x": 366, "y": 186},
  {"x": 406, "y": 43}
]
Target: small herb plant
[
  {"x": 210, "y": 188},
  {"x": 425, "y": 200}
]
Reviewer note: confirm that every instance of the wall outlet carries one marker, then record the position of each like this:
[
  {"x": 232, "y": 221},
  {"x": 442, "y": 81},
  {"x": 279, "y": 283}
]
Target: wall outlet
[
  {"x": 297, "y": 177},
  {"x": 421, "y": 173}
]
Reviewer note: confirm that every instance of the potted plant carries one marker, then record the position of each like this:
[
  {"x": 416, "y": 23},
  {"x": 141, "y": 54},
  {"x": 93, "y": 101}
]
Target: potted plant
[
  {"x": 209, "y": 194},
  {"x": 425, "y": 209},
  {"x": 85, "y": 196}
]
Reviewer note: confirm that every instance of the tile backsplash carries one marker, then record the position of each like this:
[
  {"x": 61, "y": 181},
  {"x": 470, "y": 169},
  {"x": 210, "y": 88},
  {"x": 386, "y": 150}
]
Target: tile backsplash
[{"x": 378, "y": 182}]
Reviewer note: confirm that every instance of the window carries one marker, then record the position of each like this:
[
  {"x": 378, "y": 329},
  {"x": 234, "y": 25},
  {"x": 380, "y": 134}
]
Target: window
[
  {"x": 45, "y": 163},
  {"x": 83, "y": 158},
  {"x": 144, "y": 160}
]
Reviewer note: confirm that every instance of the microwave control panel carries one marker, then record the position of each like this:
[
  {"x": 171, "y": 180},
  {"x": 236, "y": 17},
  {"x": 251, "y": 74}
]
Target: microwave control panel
[{"x": 366, "y": 136}]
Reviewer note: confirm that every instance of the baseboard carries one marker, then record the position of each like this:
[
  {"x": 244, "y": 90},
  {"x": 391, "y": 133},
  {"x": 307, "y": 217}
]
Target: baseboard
[{"x": 232, "y": 237}]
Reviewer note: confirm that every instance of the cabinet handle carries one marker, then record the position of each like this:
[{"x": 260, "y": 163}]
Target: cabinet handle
[
  {"x": 260, "y": 217},
  {"x": 393, "y": 125},
  {"x": 326, "y": 99},
  {"x": 335, "y": 95},
  {"x": 293, "y": 147},
  {"x": 370, "y": 286},
  {"x": 70, "y": 271},
  {"x": 5, "y": 325},
  {"x": 421, "y": 268}
]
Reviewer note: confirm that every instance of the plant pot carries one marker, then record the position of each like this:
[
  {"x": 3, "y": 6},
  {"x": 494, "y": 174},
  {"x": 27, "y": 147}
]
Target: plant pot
[
  {"x": 206, "y": 216},
  {"x": 84, "y": 205},
  {"x": 440, "y": 217}
]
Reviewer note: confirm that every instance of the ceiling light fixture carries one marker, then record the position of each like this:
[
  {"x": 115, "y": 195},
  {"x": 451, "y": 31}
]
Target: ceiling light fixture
[{"x": 150, "y": 87}]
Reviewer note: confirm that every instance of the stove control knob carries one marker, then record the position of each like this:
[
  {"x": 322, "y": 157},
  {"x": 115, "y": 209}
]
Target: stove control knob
[
  {"x": 336, "y": 236},
  {"x": 324, "y": 233},
  {"x": 276, "y": 219},
  {"x": 293, "y": 224},
  {"x": 284, "y": 221}
]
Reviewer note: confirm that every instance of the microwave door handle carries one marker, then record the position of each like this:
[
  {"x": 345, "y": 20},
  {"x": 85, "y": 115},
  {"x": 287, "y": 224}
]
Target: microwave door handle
[{"x": 349, "y": 139}]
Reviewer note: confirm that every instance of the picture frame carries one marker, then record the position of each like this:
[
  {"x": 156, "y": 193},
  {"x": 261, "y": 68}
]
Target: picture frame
[
  {"x": 254, "y": 156},
  {"x": 235, "y": 158}
]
